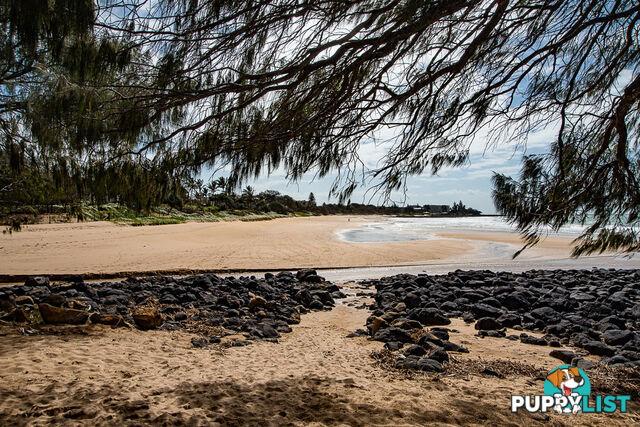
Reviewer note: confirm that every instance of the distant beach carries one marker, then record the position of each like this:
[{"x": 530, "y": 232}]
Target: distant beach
[{"x": 106, "y": 249}]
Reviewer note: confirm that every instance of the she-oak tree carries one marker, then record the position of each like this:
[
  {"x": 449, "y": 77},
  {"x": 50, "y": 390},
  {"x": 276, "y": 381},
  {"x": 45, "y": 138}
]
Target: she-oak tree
[{"x": 302, "y": 84}]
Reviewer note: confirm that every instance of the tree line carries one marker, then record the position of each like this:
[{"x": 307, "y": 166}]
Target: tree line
[{"x": 95, "y": 92}]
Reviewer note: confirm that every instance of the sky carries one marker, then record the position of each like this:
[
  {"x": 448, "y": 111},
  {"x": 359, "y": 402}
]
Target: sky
[{"x": 470, "y": 183}]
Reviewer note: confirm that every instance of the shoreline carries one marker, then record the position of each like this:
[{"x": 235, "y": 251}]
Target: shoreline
[
  {"x": 107, "y": 250},
  {"x": 350, "y": 273}
]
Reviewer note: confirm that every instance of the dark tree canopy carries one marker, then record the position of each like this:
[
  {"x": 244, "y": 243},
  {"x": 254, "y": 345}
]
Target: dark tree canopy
[{"x": 301, "y": 85}]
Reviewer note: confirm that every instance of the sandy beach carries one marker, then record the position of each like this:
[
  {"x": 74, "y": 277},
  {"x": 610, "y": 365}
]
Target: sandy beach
[
  {"x": 316, "y": 213},
  {"x": 287, "y": 243},
  {"x": 314, "y": 375}
]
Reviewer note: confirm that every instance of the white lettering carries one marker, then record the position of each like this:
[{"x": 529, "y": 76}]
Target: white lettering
[
  {"x": 532, "y": 406},
  {"x": 547, "y": 402},
  {"x": 516, "y": 403}
]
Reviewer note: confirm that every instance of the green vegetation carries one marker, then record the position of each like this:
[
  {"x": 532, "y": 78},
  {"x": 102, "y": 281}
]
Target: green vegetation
[
  {"x": 220, "y": 206},
  {"x": 126, "y": 101}
]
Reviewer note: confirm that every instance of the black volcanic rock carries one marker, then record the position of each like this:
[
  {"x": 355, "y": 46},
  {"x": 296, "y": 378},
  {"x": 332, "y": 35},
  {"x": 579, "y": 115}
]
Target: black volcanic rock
[
  {"x": 483, "y": 310},
  {"x": 599, "y": 348},
  {"x": 487, "y": 324},
  {"x": 564, "y": 355},
  {"x": 617, "y": 337},
  {"x": 393, "y": 334},
  {"x": 429, "y": 317}
]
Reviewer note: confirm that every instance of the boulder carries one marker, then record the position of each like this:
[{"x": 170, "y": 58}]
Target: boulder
[
  {"x": 58, "y": 315},
  {"x": 316, "y": 304},
  {"x": 509, "y": 320},
  {"x": 487, "y": 324},
  {"x": 107, "y": 319},
  {"x": 308, "y": 275},
  {"x": 304, "y": 296},
  {"x": 530, "y": 339},
  {"x": 23, "y": 300},
  {"x": 146, "y": 317},
  {"x": 614, "y": 336},
  {"x": 412, "y": 300},
  {"x": 564, "y": 355},
  {"x": 484, "y": 310},
  {"x": 73, "y": 278},
  {"x": 323, "y": 296},
  {"x": 37, "y": 281},
  {"x": 492, "y": 302},
  {"x": 599, "y": 348},
  {"x": 516, "y": 301},
  {"x": 55, "y": 300},
  {"x": 393, "y": 334},
  {"x": 428, "y": 365},
  {"x": 439, "y": 354},
  {"x": 415, "y": 350},
  {"x": 546, "y": 314},
  {"x": 430, "y": 317},
  {"x": 269, "y": 332},
  {"x": 257, "y": 301}
]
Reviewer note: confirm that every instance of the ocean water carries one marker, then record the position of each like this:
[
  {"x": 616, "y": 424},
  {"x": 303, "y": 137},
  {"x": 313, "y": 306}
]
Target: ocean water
[{"x": 409, "y": 229}]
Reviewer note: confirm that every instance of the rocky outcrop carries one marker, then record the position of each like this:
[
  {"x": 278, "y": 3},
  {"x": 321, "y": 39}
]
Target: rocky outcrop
[
  {"x": 596, "y": 310},
  {"x": 258, "y": 308}
]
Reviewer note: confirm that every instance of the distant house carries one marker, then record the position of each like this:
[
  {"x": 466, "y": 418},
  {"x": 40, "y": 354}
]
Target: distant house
[
  {"x": 436, "y": 209},
  {"x": 414, "y": 209}
]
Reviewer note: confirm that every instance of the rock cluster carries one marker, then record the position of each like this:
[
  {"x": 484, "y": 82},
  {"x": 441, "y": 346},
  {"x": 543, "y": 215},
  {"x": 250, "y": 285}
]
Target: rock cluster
[
  {"x": 258, "y": 308},
  {"x": 596, "y": 310}
]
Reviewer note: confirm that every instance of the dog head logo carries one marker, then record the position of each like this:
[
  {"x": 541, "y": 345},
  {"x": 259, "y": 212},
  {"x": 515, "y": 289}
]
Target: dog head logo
[
  {"x": 567, "y": 390},
  {"x": 567, "y": 384},
  {"x": 566, "y": 379}
]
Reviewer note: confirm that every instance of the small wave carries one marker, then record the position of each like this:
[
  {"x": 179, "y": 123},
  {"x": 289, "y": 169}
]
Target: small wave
[{"x": 411, "y": 229}]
